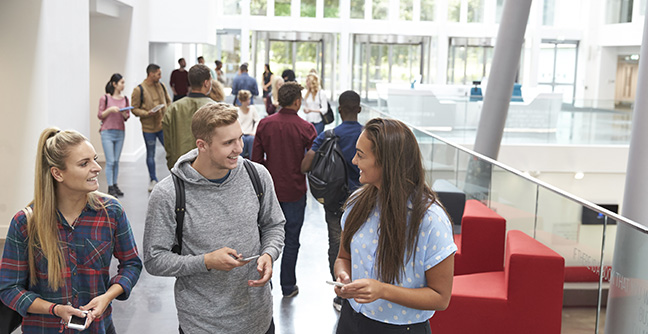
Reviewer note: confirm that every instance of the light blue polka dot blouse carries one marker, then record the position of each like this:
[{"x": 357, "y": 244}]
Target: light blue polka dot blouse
[{"x": 435, "y": 243}]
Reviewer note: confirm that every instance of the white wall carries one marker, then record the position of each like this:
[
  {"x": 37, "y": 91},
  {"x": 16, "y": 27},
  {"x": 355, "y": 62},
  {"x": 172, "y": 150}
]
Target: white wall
[
  {"x": 119, "y": 44},
  {"x": 45, "y": 47},
  {"x": 188, "y": 21}
]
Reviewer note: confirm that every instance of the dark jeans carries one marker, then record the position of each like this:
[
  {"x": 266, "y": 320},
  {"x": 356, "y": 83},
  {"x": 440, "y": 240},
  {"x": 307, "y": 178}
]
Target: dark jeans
[
  {"x": 294, "y": 213},
  {"x": 319, "y": 127},
  {"x": 271, "y": 330},
  {"x": 149, "y": 140},
  {"x": 248, "y": 142},
  {"x": 351, "y": 322},
  {"x": 334, "y": 231}
]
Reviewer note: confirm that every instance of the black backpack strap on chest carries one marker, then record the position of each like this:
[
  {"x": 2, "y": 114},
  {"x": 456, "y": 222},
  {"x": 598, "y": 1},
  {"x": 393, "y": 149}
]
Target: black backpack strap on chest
[
  {"x": 180, "y": 202},
  {"x": 179, "y": 212}
]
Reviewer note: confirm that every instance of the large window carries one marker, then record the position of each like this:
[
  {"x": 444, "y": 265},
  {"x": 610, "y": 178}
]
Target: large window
[
  {"x": 406, "y": 10},
  {"x": 380, "y": 9},
  {"x": 308, "y": 8},
  {"x": 427, "y": 10},
  {"x": 231, "y": 7},
  {"x": 258, "y": 7},
  {"x": 332, "y": 8},
  {"x": 469, "y": 59},
  {"x": 557, "y": 67},
  {"x": 619, "y": 11},
  {"x": 454, "y": 10},
  {"x": 548, "y": 8},
  {"x": 476, "y": 11},
  {"x": 357, "y": 9},
  {"x": 282, "y": 8}
]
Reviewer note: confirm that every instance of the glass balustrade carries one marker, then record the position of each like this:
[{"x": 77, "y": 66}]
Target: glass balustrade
[{"x": 605, "y": 254}]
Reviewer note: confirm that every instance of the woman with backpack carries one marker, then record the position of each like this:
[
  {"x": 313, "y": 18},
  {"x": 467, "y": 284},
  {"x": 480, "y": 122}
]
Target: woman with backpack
[
  {"x": 58, "y": 250},
  {"x": 113, "y": 112},
  {"x": 396, "y": 256}
]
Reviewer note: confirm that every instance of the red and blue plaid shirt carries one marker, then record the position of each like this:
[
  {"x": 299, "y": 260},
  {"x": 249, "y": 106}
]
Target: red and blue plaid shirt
[{"x": 87, "y": 248}]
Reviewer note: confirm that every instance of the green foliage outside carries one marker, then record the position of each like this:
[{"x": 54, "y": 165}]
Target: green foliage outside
[
  {"x": 357, "y": 9},
  {"x": 332, "y": 8},
  {"x": 379, "y": 9},
  {"x": 282, "y": 8},
  {"x": 308, "y": 8},
  {"x": 454, "y": 10},
  {"x": 406, "y": 8},
  {"x": 258, "y": 7},
  {"x": 427, "y": 10}
]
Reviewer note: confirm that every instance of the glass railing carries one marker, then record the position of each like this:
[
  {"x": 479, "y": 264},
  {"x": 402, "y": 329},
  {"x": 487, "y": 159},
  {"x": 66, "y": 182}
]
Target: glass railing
[
  {"x": 589, "y": 237},
  {"x": 540, "y": 119}
]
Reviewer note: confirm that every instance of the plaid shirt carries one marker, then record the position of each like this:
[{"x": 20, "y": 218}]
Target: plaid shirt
[{"x": 87, "y": 248}]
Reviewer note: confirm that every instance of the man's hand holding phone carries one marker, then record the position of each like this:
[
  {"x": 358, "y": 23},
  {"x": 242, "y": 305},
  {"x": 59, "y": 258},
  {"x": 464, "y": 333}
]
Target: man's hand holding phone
[
  {"x": 224, "y": 259},
  {"x": 264, "y": 267}
]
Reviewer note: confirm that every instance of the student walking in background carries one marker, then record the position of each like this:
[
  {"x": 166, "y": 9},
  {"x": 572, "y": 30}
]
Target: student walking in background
[
  {"x": 56, "y": 260},
  {"x": 396, "y": 257},
  {"x": 280, "y": 142},
  {"x": 315, "y": 102},
  {"x": 113, "y": 113},
  {"x": 347, "y": 133},
  {"x": 150, "y": 99},
  {"x": 249, "y": 119},
  {"x": 268, "y": 78}
]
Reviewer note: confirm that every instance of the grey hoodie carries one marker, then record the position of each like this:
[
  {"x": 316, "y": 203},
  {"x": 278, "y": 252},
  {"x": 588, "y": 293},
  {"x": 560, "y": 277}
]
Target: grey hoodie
[{"x": 217, "y": 215}]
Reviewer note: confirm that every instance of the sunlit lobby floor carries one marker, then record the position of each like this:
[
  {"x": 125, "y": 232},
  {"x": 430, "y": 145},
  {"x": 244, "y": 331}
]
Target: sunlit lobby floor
[{"x": 151, "y": 307}]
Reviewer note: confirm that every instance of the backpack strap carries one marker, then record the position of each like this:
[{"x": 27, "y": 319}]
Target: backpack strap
[
  {"x": 105, "y": 101},
  {"x": 141, "y": 95},
  {"x": 127, "y": 103},
  {"x": 180, "y": 202},
  {"x": 179, "y": 212},
  {"x": 258, "y": 187}
]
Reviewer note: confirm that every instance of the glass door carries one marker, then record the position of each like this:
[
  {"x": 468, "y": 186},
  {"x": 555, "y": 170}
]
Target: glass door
[{"x": 557, "y": 68}]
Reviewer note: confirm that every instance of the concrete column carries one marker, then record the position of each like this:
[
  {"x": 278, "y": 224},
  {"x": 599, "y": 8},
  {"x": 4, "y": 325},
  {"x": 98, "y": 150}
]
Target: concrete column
[
  {"x": 502, "y": 75},
  {"x": 636, "y": 185}
]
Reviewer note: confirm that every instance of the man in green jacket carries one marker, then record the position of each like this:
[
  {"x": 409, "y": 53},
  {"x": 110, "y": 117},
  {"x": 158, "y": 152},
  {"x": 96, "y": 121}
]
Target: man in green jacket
[{"x": 176, "y": 124}]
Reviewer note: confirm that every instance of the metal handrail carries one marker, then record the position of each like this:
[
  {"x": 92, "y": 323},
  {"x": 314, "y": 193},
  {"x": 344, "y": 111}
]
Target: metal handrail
[{"x": 509, "y": 169}]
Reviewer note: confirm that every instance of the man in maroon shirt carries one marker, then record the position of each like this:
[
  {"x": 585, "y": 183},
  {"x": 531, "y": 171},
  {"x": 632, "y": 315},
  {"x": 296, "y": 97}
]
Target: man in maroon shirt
[
  {"x": 280, "y": 144},
  {"x": 180, "y": 80}
]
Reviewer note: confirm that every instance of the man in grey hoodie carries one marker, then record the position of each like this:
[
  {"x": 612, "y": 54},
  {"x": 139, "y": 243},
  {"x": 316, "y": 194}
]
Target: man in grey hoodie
[{"x": 216, "y": 291}]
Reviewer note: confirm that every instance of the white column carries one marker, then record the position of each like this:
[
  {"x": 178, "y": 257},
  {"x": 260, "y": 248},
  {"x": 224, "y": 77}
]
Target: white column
[
  {"x": 502, "y": 76},
  {"x": 345, "y": 61}
]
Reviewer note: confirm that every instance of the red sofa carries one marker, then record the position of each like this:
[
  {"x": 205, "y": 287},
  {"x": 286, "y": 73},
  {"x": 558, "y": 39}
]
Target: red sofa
[
  {"x": 524, "y": 298},
  {"x": 480, "y": 246}
]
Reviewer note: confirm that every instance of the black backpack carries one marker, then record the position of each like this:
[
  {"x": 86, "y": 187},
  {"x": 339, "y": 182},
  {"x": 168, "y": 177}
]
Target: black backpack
[
  {"x": 328, "y": 175},
  {"x": 180, "y": 202}
]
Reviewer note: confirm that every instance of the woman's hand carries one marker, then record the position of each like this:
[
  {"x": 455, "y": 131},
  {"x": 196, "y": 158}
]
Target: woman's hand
[
  {"x": 343, "y": 277},
  {"x": 113, "y": 109},
  {"x": 96, "y": 307},
  {"x": 363, "y": 290},
  {"x": 66, "y": 311}
]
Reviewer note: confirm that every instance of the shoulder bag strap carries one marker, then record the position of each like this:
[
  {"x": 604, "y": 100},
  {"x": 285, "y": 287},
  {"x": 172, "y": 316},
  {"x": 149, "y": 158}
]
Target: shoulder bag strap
[
  {"x": 141, "y": 95},
  {"x": 179, "y": 212}
]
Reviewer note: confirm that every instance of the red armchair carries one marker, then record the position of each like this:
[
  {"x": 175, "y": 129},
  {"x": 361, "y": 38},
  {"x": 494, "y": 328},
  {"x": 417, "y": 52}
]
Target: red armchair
[
  {"x": 524, "y": 298},
  {"x": 480, "y": 246}
]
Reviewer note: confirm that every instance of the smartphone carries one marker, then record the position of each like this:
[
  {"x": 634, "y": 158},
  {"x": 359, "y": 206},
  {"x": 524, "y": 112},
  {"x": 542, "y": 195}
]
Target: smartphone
[
  {"x": 78, "y": 323},
  {"x": 127, "y": 108},
  {"x": 338, "y": 284},
  {"x": 249, "y": 258}
]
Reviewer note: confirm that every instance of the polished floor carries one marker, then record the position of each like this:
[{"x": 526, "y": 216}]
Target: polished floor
[{"x": 151, "y": 307}]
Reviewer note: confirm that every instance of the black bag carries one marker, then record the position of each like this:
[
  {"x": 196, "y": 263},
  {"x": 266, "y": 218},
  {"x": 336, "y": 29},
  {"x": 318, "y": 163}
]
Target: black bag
[
  {"x": 180, "y": 202},
  {"x": 328, "y": 175},
  {"x": 327, "y": 118},
  {"x": 9, "y": 319}
]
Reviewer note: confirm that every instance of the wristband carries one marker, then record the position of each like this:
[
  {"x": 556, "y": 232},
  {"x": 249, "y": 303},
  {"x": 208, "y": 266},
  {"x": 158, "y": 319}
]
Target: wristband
[{"x": 51, "y": 309}]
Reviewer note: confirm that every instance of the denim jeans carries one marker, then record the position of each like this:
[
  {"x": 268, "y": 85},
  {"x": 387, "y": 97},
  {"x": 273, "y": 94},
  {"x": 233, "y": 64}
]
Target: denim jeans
[
  {"x": 334, "y": 231},
  {"x": 112, "y": 142},
  {"x": 248, "y": 142},
  {"x": 149, "y": 139},
  {"x": 319, "y": 127},
  {"x": 294, "y": 213}
]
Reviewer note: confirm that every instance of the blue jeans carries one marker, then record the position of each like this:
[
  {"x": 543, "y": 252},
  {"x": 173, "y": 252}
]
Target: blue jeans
[
  {"x": 149, "y": 140},
  {"x": 248, "y": 142},
  {"x": 294, "y": 213},
  {"x": 319, "y": 127},
  {"x": 112, "y": 142}
]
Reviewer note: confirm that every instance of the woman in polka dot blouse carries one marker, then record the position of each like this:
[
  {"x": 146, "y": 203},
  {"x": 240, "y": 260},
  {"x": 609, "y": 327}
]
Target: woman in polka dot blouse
[{"x": 396, "y": 257}]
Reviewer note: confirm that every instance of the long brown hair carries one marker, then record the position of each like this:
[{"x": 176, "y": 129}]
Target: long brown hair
[
  {"x": 403, "y": 180},
  {"x": 54, "y": 147}
]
